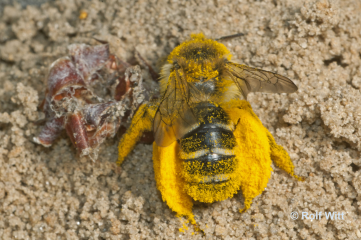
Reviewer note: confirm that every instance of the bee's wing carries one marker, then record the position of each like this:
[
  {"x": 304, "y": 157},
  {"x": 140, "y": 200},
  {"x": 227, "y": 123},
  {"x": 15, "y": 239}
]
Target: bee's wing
[
  {"x": 250, "y": 79},
  {"x": 174, "y": 117}
]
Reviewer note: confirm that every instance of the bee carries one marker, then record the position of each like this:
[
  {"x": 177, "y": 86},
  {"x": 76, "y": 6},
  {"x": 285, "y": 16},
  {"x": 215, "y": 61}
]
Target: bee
[{"x": 209, "y": 144}]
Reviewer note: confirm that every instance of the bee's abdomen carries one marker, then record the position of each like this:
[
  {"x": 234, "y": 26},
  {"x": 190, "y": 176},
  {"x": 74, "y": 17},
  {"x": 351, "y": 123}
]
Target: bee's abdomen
[
  {"x": 209, "y": 169},
  {"x": 207, "y": 154},
  {"x": 208, "y": 138}
]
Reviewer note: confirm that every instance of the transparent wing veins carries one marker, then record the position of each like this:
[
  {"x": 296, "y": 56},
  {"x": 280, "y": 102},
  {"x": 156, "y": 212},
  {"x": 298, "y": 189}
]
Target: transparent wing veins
[
  {"x": 250, "y": 79},
  {"x": 174, "y": 116}
]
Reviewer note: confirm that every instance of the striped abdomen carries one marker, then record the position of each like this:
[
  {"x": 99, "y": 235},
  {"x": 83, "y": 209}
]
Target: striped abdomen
[{"x": 208, "y": 156}]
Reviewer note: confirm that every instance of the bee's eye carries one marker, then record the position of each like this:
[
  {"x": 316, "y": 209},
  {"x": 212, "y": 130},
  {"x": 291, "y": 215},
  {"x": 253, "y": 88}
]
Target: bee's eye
[{"x": 176, "y": 65}]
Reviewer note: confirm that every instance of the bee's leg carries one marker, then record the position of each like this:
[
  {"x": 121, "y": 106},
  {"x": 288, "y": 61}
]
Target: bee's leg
[
  {"x": 255, "y": 148},
  {"x": 252, "y": 151},
  {"x": 281, "y": 158},
  {"x": 167, "y": 169},
  {"x": 142, "y": 121}
]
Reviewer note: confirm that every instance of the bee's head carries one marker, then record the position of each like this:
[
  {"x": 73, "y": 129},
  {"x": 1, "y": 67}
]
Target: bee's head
[{"x": 199, "y": 58}]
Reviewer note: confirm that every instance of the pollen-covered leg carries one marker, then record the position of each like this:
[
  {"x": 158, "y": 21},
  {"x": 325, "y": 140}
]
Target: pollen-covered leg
[
  {"x": 167, "y": 170},
  {"x": 256, "y": 148},
  {"x": 253, "y": 151},
  {"x": 281, "y": 158},
  {"x": 142, "y": 121}
]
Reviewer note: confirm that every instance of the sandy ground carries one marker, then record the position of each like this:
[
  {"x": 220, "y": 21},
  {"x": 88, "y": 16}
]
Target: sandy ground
[{"x": 49, "y": 193}]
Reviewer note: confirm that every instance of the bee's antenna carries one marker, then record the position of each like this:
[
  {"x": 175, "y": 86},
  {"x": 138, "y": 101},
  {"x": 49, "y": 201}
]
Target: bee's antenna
[{"x": 229, "y": 37}]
